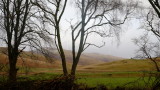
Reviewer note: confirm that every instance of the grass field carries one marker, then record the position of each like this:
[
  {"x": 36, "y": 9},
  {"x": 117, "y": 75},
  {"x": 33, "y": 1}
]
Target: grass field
[
  {"x": 117, "y": 79},
  {"x": 109, "y": 79},
  {"x": 122, "y": 73},
  {"x": 114, "y": 82}
]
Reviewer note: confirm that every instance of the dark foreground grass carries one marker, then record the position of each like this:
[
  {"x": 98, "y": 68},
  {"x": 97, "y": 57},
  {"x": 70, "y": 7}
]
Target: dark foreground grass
[
  {"x": 39, "y": 76},
  {"x": 90, "y": 80}
]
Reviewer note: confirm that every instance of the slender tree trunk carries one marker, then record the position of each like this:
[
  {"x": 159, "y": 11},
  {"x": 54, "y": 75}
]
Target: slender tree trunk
[
  {"x": 81, "y": 45},
  {"x": 155, "y": 63},
  {"x": 73, "y": 69},
  {"x": 65, "y": 71}
]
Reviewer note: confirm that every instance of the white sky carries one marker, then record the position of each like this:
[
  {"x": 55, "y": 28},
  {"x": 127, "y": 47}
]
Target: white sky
[{"x": 125, "y": 49}]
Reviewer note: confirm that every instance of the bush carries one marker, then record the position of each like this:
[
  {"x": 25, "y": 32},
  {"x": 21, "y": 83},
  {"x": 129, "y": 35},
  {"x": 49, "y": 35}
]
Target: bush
[{"x": 59, "y": 83}]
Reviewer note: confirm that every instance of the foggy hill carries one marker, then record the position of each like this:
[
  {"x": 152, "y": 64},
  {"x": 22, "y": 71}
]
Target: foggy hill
[
  {"x": 91, "y": 58},
  {"x": 86, "y": 58},
  {"x": 123, "y": 65}
]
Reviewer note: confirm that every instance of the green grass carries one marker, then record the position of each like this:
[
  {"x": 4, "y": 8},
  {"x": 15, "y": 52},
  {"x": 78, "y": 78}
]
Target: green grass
[
  {"x": 40, "y": 76},
  {"x": 115, "y": 79},
  {"x": 115, "y": 82},
  {"x": 115, "y": 74},
  {"x": 95, "y": 79},
  {"x": 34, "y": 77}
]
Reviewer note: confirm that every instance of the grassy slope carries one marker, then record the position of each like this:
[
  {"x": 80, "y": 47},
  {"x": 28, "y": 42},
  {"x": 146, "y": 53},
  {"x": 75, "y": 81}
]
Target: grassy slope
[
  {"x": 39, "y": 61},
  {"x": 118, "y": 75},
  {"x": 123, "y": 65},
  {"x": 33, "y": 61},
  {"x": 91, "y": 58},
  {"x": 120, "y": 66}
]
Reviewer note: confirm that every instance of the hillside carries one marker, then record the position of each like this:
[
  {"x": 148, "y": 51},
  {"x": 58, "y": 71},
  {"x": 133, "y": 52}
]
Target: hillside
[
  {"x": 90, "y": 62},
  {"x": 38, "y": 60},
  {"x": 90, "y": 58},
  {"x": 122, "y": 65},
  {"x": 30, "y": 60}
]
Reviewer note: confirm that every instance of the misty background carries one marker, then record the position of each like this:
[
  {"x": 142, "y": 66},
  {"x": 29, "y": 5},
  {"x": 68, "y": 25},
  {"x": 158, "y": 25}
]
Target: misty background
[{"x": 124, "y": 47}]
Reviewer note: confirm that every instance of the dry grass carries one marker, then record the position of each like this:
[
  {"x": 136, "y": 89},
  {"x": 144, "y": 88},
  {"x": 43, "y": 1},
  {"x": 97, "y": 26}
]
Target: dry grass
[
  {"x": 91, "y": 58},
  {"x": 123, "y": 65},
  {"x": 35, "y": 61},
  {"x": 39, "y": 61}
]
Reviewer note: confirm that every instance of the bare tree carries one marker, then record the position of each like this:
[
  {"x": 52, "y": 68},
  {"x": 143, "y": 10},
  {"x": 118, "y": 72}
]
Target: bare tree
[
  {"x": 96, "y": 12},
  {"x": 51, "y": 12},
  {"x": 148, "y": 49},
  {"x": 153, "y": 17},
  {"x": 99, "y": 17},
  {"x": 14, "y": 16},
  {"x": 18, "y": 26},
  {"x": 151, "y": 22}
]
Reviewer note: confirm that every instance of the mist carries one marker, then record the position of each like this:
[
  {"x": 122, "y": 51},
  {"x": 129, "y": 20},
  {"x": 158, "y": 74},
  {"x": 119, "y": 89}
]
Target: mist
[{"x": 124, "y": 47}]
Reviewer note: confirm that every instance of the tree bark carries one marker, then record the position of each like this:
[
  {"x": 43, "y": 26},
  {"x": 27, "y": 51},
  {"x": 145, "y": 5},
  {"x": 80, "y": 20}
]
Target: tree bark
[
  {"x": 12, "y": 68},
  {"x": 81, "y": 45},
  {"x": 65, "y": 71},
  {"x": 73, "y": 69},
  {"x": 61, "y": 52},
  {"x": 12, "y": 71},
  {"x": 156, "y": 7}
]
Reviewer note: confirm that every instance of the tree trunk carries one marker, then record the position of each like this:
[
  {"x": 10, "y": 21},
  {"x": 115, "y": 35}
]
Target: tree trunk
[
  {"x": 12, "y": 72},
  {"x": 74, "y": 67},
  {"x": 158, "y": 70},
  {"x": 12, "y": 69},
  {"x": 73, "y": 70},
  {"x": 65, "y": 71},
  {"x": 61, "y": 52}
]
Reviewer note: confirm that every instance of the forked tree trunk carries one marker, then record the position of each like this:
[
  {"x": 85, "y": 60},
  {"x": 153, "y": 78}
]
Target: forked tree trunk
[
  {"x": 81, "y": 44},
  {"x": 73, "y": 69},
  {"x": 74, "y": 66}
]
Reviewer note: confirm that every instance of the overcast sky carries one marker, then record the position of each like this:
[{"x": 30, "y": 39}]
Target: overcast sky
[{"x": 126, "y": 47}]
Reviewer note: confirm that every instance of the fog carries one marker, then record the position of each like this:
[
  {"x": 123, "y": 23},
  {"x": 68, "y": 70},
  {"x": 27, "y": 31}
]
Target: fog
[{"x": 123, "y": 48}]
